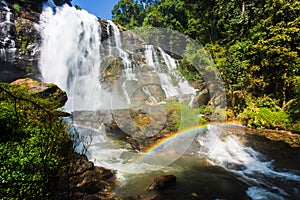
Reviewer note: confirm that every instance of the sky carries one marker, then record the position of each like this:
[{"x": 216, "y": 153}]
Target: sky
[{"x": 100, "y": 8}]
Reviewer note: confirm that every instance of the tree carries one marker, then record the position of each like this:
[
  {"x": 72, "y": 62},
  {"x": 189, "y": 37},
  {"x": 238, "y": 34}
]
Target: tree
[
  {"x": 274, "y": 55},
  {"x": 128, "y": 13},
  {"x": 168, "y": 14}
]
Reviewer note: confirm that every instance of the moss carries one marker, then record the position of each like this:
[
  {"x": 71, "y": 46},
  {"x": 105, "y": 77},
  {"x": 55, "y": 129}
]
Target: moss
[
  {"x": 183, "y": 116},
  {"x": 24, "y": 45},
  {"x": 17, "y": 7}
]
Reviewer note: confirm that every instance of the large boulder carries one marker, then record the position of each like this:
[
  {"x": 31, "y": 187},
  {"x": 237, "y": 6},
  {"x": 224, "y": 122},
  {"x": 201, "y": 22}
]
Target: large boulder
[
  {"x": 83, "y": 180},
  {"x": 57, "y": 98},
  {"x": 201, "y": 99},
  {"x": 142, "y": 127}
]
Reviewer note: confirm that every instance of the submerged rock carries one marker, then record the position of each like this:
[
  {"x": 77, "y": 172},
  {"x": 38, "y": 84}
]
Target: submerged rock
[{"x": 162, "y": 182}]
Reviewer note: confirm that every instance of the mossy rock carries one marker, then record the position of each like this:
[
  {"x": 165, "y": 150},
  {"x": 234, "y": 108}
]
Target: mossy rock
[{"x": 50, "y": 94}]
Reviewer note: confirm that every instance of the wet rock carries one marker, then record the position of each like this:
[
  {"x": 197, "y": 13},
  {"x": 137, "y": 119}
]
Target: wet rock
[
  {"x": 90, "y": 119},
  {"x": 20, "y": 40},
  {"x": 85, "y": 167},
  {"x": 148, "y": 196},
  {"x": 201, "y": 99},
  {"x": 234, "y": 166},
  {"x": 83, "y": 180},
  {"x": 141, "y": 128},
  {"x": 138, "y": 197},
  {"x": 162, "y": 182}
]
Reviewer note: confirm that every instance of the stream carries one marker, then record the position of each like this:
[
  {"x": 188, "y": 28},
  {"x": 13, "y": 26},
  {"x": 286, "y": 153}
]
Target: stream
[{"x": 217, "y": 165}]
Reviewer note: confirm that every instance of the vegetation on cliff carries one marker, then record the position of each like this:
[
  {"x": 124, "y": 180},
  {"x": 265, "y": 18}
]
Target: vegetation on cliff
[
  {"x": 255, "y": 46},
  {"x": 37, "y": 149},
  {"x": 34, "y": 142}
]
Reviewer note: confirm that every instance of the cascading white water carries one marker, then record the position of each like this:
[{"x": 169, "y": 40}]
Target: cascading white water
[
  {"x": 166, "y": 72},
  {"x": 119, "y": 52},
  {"x": 148, "y": 55},
  {"x": 70, "y": 55},
  {"x": 115, "y": 49},
  {"x": 7, "y": 44},
  {"x": 170, "y": 62},
  {"x": 229, "y": 153},
  {"x": 184, "y": 86}
]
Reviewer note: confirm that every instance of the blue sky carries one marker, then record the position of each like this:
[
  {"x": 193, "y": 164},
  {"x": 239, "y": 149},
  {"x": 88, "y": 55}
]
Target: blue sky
[{"x": 100, "y": 8}]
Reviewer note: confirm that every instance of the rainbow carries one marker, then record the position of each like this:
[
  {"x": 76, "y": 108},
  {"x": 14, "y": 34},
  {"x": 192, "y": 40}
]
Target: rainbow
[
  {"x": 181, "y": 133},
  {"x": 188, "y": 133}
]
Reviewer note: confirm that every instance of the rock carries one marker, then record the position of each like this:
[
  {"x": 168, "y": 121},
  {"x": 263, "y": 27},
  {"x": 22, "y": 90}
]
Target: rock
[
  {"x": 162, "y": 182},
  {"x": 20, "y": 54},
  {"x": 62, "y": 2},
  {"x": 138, "y": 197},
  {"x": 201, "y": 99},
  {"x": 172, "y": 99},
  {"x": 141, "y": 128},
  {"x": 85, "y": 166},
  {"x": 148, "y": 196},
  {"x": 83, "y": 180},
  {"x": 56, "y": 96}
]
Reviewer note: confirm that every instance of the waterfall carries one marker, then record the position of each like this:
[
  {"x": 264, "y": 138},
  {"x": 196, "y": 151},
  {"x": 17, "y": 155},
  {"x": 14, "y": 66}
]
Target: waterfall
[
  {"x": 151, "y": 57},
  {"x": 119, "y": 52},
  {"x": 184, "y": 86},
  {"x": 70, "y": 55},
  {"x": 7, "y": 43},
  {"x": 115, "y": 48},
  {"x": 170, "y": 62},
  {"x": 170, "y": 80}
]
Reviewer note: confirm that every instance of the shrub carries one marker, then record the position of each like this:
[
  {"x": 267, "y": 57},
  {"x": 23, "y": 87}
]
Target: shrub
[
  {"x": 264, "y": 113},
  {"x": 34, "y": 144}
]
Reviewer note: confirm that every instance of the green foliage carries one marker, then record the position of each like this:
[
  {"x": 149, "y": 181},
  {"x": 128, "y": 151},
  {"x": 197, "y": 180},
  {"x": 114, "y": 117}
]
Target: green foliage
[
  {"x": 24, "y": 45},
  {"x": 264, "y": 113},
  {"x": 128, "y": 13},
  {"x": 17, "y": 7},
  {"x": 183, "y": 115},
  {"x": 205, "y": 110},
  {"x": 34, "y": 145},
  {"x": 274, "y": 56},
  {"x": 188, "y": 71}
]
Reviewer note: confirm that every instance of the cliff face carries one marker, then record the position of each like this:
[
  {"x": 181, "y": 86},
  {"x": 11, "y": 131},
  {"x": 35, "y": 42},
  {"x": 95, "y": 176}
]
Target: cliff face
[
  {"x": 19, "y": 41},
  {"x": 20, "y": 38}
]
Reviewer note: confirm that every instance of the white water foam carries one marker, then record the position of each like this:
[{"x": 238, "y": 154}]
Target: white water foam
[
  {"x": 230, "y": 154},
  {"x": 257, "y": 193}
]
